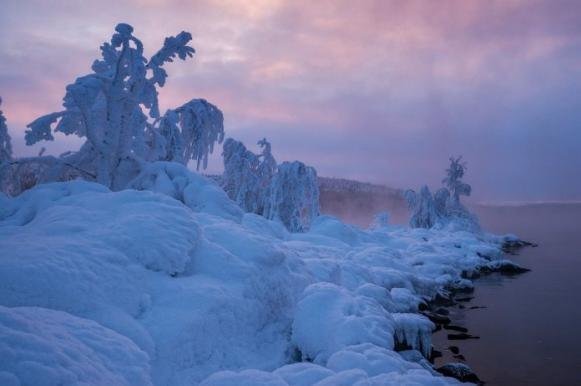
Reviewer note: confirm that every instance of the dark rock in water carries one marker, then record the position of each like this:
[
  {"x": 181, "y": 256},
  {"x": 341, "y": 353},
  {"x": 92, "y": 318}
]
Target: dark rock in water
[
  {"x": 513, "y": 245},
  {"x": 460, "y": 356},
  {"x": 505, "y": 267},
  {"x": 440, "y": 300},
  {"x": 423, "y": 306},
  {"x": 436, "y": 318},
  {"x": 442, "y": 311},
  {"x": 454, "y": 349},
  {"x": 456, "y": 328},
  {"x": 460, "y": 306},
  {"x": 464, "y": 299},
  {"x": 435, "y": 354},
  {"x": 462, "y": 336},
  {"x": 459, "y": 371},
  {"x": 477, "y": 307}
]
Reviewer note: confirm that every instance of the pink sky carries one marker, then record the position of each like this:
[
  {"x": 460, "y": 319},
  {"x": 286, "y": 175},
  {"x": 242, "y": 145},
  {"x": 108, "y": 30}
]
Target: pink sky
[{"x": 382, "y": 91}]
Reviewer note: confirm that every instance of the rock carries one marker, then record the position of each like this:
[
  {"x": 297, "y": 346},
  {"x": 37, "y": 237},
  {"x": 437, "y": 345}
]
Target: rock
[
  {"x": 462, "y": 336},
  {"x": 477, "y": 307},
  {"x": 505, "y": 267},
  {"x": 511, "y": 246},
  {"x": 456, "y": 328},
  {"x": 442, "y": 311},
  {"x": 435, "y": 354},
  {"x": 459, "y": 371},
  {"x": 460, "y": 356},
  {"x": 454, "y": 349},
  {"x": 464, "y": 299},
  {"x": 436, "y": 318}
]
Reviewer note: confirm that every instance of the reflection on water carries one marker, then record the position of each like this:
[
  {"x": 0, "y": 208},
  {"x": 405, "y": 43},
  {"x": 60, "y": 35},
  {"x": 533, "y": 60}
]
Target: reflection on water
[{"x": 530, "y": 330}]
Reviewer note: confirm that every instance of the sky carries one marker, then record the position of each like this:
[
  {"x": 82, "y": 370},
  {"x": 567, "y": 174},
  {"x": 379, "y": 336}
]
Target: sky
[{"x": 379, "y": 91}]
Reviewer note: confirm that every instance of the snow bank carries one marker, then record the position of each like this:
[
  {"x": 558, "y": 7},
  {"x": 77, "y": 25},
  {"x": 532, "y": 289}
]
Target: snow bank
[
  {"x": 182, "y": 287},
  {"x": 45, "y": 347}
]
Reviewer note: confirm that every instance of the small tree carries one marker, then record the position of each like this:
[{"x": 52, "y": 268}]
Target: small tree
[
  {"x": 5, "y": 143},
  {"x": 422, "y": 206},
  {"x": 240, "y": 179},
  {"x": 444, "y": 207},
  {"x": 453, "y": 180},
  {"x": 294, "y": 196}
]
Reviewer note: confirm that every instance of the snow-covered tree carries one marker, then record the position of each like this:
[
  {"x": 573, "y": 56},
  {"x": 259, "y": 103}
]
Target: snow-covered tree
[
  {"x": 248, "y": 176},
  {"x": 423, "y": 208},
  {"x": 116, "y": 109},
  {"x": 5, "y": 144},
  {"x": 441, "y": 198},
  {"x": 444, "y": 207},
  {"x": 187, "y": 133},
  {"x": 453, "y": 180},
  {"x": 294, "y": 196},
  {"x": 288, "y": 192},
  {"x": 240, "y": 179}
]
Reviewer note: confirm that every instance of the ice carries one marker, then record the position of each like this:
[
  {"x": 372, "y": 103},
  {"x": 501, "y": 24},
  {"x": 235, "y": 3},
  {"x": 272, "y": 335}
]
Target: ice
[{"x": 415, "y": 331}]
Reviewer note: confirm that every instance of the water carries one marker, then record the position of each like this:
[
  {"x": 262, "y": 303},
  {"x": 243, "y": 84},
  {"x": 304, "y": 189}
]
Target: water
[{"x": 530, "y": 332}]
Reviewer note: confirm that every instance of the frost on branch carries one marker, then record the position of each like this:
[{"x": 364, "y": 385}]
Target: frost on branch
[
  {"x": 187, "y": 133},
  {"x": 294, "y": 196},
  {"x": 5, "y": 144},
  {"x": 116, "y": 109}
]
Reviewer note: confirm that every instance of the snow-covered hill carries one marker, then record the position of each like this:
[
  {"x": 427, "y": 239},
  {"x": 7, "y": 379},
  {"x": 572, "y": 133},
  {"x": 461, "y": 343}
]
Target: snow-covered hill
[{"x": 178, "y": 287}]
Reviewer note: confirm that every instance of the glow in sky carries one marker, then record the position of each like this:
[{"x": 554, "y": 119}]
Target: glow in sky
[{"x": 381, "y": 91}]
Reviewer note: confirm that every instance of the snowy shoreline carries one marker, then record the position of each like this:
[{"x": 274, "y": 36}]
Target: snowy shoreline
[{"x": 205, "y": 293}]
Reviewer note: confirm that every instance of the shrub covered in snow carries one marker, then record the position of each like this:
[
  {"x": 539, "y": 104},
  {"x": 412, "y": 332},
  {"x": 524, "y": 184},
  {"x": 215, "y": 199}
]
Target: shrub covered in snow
[
  {"x": 288, "y": 193},
  {"x": 294, "y": 196},
  {"x": 444, "y": 207}
]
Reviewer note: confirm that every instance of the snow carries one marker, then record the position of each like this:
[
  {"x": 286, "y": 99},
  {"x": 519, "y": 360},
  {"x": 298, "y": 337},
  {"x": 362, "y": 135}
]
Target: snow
[
  {"x": 39, "y": 346},
  {"x": 173, "y": 284}
]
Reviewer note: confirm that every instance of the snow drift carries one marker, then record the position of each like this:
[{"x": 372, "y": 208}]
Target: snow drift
[{"x": 174, "y": 285}]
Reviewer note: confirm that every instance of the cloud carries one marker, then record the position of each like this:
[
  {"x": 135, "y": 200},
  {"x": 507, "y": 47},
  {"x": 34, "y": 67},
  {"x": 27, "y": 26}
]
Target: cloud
[{"x": 377, "y": 90}]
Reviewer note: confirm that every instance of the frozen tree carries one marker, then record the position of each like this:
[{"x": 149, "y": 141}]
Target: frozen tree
[
  {"x": 267, "y": 166},
  {"x": 455, "y": 211},
  {"x": 294, "y": 196},
  {"x": 453, "y": 180},
  {"x": 116, "y": 109},
  {"x": 288, "y": 192},
  {"x": 441, "y": 198},
  {"x": 187, "y": 133},
  {"x": 248, "y": 176},
  {"x": 422, "y": 206},
  {"x": 5, "y": 144},
  {"x": 240, "y": 178},
  {"x": 444, "y": 207}
]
